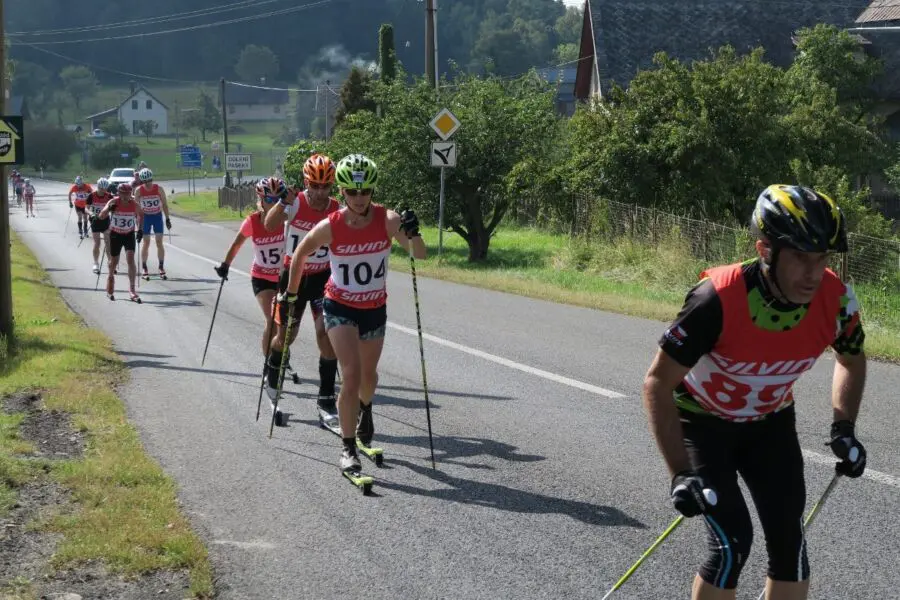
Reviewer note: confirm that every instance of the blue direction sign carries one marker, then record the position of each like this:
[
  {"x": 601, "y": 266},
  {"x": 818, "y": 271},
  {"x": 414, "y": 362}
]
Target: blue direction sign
[{"x": 190, "y": 157}]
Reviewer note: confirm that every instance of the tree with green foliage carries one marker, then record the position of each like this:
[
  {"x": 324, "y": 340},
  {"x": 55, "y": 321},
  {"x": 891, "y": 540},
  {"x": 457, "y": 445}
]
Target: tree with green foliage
[
  {"x": 33, "y": 82},
  {"x": 47, "y": 143},
  {"x": 206, "y": 118},
  {"x": 256, "y": 63},
  {"x": 568, "y": 26},
  {"x": 296, "y": 156},
  {"x": 387, "y": 56},
  {"x": 705, "y": 138},
  {"x": 503, "y": 122},
  {"x": 80, "y": 83},
  {"x": 115, "y": 128},
  {"x": 565, "y": 54},
  {"x": 356, "y": 94},
  {"x": 109, "y": 155},
  {"x": 147, "y": 127}
]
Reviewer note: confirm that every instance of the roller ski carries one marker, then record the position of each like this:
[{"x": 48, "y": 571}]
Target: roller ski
[
  {"x": 274, "y": 383},
  {"x": 134, "y": 297},
  {"x": 162, "y": 273},
  {"x": 145, "y": 274},
  {"x": 352, "y": 470}
]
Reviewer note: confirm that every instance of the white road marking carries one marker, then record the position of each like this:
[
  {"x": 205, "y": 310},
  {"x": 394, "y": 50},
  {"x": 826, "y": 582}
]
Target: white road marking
[
  {"x": 587, "y": 387},
  {"x": 512, "y": 364},
  {"x": 246, "y": 545},
  {"x": 872, "y": 474}
]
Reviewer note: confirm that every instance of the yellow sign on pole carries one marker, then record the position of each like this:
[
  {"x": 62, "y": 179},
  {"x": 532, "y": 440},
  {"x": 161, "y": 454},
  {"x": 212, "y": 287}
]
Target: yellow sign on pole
[
  {"x": 445, "y": 124},
  {"x": 12, "y": 150}
]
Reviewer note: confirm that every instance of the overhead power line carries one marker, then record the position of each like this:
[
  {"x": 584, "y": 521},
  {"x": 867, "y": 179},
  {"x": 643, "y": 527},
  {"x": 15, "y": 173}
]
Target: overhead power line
[
  {"x": 275, "y": 13},
  {"x": 191, "y": 14}
]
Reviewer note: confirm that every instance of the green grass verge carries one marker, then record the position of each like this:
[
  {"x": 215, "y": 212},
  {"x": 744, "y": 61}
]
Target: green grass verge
[
  {"x": 622, "y": 277},
  {"x": 127, "y": 512},
  {"x": 203, "y": 206}
]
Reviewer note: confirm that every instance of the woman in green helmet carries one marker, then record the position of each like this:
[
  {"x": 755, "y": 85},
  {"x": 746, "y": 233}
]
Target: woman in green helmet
[{"x": 360, "y": 237}]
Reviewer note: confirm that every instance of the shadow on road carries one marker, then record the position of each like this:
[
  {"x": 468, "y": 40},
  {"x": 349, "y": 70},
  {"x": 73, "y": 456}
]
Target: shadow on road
[{"x": 502, "y": 497}]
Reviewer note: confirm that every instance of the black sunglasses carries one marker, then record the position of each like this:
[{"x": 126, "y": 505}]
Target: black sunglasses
[{"x": 354, "y": 193}]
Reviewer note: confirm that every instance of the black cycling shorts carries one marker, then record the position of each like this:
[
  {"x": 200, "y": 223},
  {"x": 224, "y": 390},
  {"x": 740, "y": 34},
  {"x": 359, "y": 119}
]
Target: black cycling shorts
[
  {"x": 117, "y": 241},
  {"x": 259, "y": 285},
  {"x": 767, "y": 456},
  {"x": 99, "y": 225},
  {"x": 370, "y": 322},
  {"x": 81, "y": 210}
]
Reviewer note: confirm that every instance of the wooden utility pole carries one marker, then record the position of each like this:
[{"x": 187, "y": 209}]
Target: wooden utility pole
[
  {"x": 224, "y": 131},
  {"x": 431, "y": 70},
  {"x": 6, "y": 311}
]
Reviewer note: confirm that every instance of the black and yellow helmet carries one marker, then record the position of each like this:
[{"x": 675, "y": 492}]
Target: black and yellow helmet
[{"x": 793, "y": 216}]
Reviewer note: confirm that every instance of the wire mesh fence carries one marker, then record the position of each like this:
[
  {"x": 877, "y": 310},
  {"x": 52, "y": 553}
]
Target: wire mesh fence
[{"x": 872, "y": 265}]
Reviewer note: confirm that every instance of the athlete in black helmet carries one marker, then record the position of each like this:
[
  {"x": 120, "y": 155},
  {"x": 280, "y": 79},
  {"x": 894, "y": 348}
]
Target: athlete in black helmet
[{"x": 718, "y": 394}]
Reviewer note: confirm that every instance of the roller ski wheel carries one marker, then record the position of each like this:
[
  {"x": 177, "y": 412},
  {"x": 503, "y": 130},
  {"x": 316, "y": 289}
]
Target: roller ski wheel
[
  {"x": 135, "y": 298},
  {"x": 376, "y": 455},
  {"x": 295, "y": 378},
  {"x": 111, "y": 297},
  {"x": 363, "y": 482},
  {"x": 162, "y": 274}
]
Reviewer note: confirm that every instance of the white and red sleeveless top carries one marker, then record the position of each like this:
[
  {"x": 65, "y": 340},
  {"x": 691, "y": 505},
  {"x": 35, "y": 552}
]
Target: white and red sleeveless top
[
  {"x": 151, "y": 202},
  {"x": 97, "y": 203},
  {"x": 28, "y": 191},
  {"x": 79, "y": 195},
  {"x": 359, "y": 261},
  {"x": 303, "y": 218},
  {"x": 750, "y": 371},
  {"x": 124, "y": 219},
  {"x": 268, "y": 247}
]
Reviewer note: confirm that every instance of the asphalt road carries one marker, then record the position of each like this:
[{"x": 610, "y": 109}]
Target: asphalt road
[{"x": 548, "y": 484}]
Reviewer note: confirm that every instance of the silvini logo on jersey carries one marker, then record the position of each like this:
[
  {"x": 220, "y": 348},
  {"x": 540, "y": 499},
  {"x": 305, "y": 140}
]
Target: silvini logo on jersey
[
  {"x": 268, "y": 239},
  {"x": 357, "y": 297},
  {"x": 367, "y": 248},
  {"x": 778, "y": 367}
]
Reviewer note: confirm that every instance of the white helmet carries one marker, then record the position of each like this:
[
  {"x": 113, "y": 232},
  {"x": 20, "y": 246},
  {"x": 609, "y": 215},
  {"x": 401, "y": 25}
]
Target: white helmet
[
  {"x": 27, "y": 181},
  {"x": 145, "y": 175},
  {"x": 102, "y": 183},
  {"x": 78, "y": 180}
]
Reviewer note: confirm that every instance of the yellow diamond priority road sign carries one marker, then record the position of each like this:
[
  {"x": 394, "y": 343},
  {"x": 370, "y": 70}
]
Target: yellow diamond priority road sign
[
  {"x": 11, "y": 141},
  {"x": 445, "y": 124}
]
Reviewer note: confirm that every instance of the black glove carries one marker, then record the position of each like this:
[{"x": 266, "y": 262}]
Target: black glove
[
  {"x": 286, "y": 302},
  {"x": 222, "y": 270},
  {"x": 847, "y": 448},
  {"x": 691, "y": 495},
  {"x": 409, "y": 223},
  {"x": 70, "y": 204},
  {"x": 139, "y": 236},
  {"x": 168, "y": 223}
]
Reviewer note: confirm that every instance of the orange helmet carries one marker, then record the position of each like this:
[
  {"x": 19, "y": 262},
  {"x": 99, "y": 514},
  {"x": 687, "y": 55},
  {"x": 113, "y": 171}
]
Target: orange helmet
[{"x": 318, "y": 169}]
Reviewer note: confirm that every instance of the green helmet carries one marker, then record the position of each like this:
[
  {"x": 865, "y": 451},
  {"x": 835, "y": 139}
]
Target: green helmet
[{"x": 357, "y": 172}]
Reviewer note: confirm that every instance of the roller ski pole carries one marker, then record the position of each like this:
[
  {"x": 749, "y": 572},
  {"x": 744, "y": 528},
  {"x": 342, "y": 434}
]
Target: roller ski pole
[
  {"x": 100, "y": 266},
  {"x": 710, "y": 496},
  {"x": 262, "y": 384},
  {"x": 69, "y": 218},
  {"x": 215, "y": 310},
  {"x": 412, "y": 266},
  {"x": 284, "y": 353}
]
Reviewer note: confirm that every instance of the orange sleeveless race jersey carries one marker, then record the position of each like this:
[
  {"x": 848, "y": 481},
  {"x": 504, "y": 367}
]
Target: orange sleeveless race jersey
[
  {"x": 750, "y": 372},
  {"x": 80, "y": 194},
  {"x": 303, "y": 219},
  {"x": 359, "y": 261},
  {"x": 151, "y": 201},
  {"x": 268, "y": 247},
  {"x": 124, "y": 219}
]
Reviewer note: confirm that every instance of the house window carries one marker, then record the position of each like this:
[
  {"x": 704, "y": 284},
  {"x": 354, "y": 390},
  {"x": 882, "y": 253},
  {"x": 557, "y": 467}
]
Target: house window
[
  {"x": 149, "y": 104},
  {"x": 276, "y": 109},
  {"x": 134, "y": 105}
]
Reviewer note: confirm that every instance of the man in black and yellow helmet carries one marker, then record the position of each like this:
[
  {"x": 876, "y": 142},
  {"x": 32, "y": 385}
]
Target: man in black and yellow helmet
[{"x": 745, "y": 334}]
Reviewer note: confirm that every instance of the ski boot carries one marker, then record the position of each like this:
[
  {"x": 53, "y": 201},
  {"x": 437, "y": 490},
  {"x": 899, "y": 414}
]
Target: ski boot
[
  {"x": 162, "y": 273},
  {"x": 96, "y": 269},
  {"x": 110, "y": 284},
  {"x": 328, "y": 414},
  {"x": 280, "y": 417},
  {"x": 134, "y": 297},
  {"x": 145, "y": 273},
  {"x": 350, "y": 460},
  {"x": 365, "y": 428}
]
